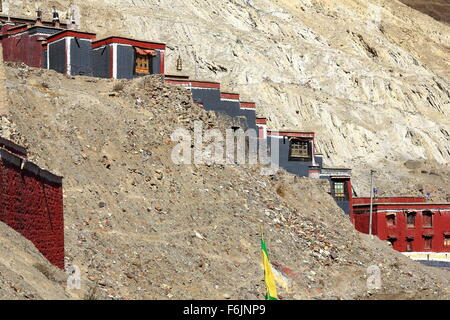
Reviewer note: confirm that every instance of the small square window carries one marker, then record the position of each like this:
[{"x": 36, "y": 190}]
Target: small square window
[
  {"x": 299, "y": 150},
  {"x": 339, "y": 190},
  {"x": 390, "y": 220},
  {"x": 447, "y": 240},
  {"x": 142, "y": 63},
  {"x": 392, "y": 240}
]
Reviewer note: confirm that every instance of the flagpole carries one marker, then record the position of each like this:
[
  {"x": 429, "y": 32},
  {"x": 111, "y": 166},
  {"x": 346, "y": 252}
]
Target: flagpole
[{"x": 371, "y": 201}]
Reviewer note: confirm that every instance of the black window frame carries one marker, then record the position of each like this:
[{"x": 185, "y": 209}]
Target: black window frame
[
  {"x": 413, "y": 215},
  {"x": 150, "y": 64},
  {"x": 409, "y": 244},
  {"x": 333, "y": 190},
  {"x": 394, "y": 220},
  {"x": 309, "y": 145},
  {"x": 427, "y": 239},
  {"x": 427, "y": 213}
]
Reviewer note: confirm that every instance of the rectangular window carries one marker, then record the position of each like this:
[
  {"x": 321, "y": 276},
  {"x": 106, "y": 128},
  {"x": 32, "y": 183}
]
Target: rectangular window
[
  {"x": 142, "y": 63},
  {"x": 428, "y": 242},
  {"x": 339, "y": 190},
  {"x": 411, "y": 219},
  {"x": 299, "y": 150},
  {"x": 390, "y": 220},
  {"x": 427, "y": 219},
  {"x": 447, "y": 240},
  {"x": 392, "y": 240},
  {"x": 409, "y": 245}
]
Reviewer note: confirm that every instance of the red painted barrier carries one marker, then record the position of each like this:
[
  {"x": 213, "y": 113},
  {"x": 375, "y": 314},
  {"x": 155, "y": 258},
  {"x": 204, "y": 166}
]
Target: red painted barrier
[{"x": 31, "y": 202}]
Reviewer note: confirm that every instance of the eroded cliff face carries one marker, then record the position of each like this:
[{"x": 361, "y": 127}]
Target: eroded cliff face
[{"x": 370, "y": 77}]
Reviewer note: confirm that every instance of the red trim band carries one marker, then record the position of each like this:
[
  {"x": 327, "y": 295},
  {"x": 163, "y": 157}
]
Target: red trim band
[
  {"x": 195, "y": 84},
  {"x": 131, "y": 42},
  {"x": 261, "y": 120},
  {"x": 291, "y": 134},
  {"x": 231, "y": 96},
  {"x": 250, "y": 105},
  {"x": 70, "y": 33}
]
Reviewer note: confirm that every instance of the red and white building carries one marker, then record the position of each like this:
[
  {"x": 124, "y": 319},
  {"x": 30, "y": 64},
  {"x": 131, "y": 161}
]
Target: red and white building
[{"x": 418, "y": 228}]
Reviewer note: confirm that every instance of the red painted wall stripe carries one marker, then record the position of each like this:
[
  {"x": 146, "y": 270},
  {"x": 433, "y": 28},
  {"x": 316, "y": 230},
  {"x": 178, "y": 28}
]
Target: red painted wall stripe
[
  {"x": 111, "y": 61},
  {"x": 250, "y": 105},
  {"x": 69, "y": 33},
  {"x": 161, "y": 62},
  {"x": 291, "y": 134},
  {"x": 366, "y": 200},
  {"x": 261, "y": 120},
  {"x": 197, "y": 84},
  {"x": 232, "y": 96}
]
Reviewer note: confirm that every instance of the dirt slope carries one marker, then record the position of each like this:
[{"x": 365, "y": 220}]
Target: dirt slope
[
  {"x": 26, "y": 274},
  {"x": 142, "y": 227},
  {"x": 370, "y": 77}
]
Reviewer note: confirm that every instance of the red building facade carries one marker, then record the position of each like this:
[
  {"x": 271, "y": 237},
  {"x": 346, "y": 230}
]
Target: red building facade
[
  {"x": 25, "y": 44},
  {"x": 31, "y": 202},
  {"x": 410, "y": 224}
]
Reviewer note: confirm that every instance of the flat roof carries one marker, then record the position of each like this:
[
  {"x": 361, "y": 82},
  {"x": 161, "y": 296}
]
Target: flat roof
[
  {"x": 11, "y": 146},
  {"x": 129, "y": 41},
  {"x": 415, "y": 204},
  {"x": 28, "y": 166},
  {"x": 230, "y": 95},
  {"x": 250, "y": 105},
  {"x": 291, "y": 133},
  {"x": 195, "y": 84},
  {"x": 20, "y": 26},
  {"x": 176, "y": 76},
  {"x": 71, "y": 33}
]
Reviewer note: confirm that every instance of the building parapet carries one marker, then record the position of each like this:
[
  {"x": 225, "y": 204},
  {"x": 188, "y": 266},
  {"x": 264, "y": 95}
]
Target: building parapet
[
  {"x": 335, "y": 172},
  {"x": 24, "y": 164},
  {"x": 13, "y": 147}
]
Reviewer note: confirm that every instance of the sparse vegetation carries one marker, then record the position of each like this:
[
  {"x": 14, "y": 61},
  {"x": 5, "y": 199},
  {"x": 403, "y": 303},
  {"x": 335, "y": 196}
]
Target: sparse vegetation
[{"x": 118, "y": 87}]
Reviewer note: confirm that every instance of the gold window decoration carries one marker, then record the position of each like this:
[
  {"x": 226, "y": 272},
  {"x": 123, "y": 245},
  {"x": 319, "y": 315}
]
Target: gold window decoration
[
  {"x": 339, "y": 190},
  {"x": 142, "y": 63},
  {"x": 447, "y": 240},
  {"x": 299, "y": 148},
  {"x": 144, "y": 60}
]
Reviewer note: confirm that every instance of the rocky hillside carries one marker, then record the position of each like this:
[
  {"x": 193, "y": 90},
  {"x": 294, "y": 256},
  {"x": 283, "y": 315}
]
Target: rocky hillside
[
  {"x": 141, "y": 227},
  {"x": 25, "y": 274},
  {"x": 370, "y": 77}
]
